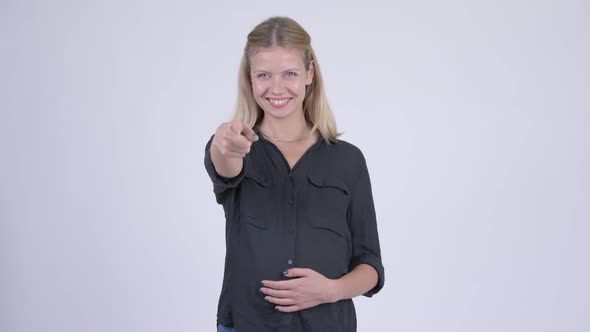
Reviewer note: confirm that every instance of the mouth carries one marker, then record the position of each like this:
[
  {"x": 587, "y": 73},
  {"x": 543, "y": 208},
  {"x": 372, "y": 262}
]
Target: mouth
[{"x": 278, "y": 103}]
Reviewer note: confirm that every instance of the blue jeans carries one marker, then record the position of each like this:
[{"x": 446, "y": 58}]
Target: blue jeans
[{"x": 221, "y": 328}]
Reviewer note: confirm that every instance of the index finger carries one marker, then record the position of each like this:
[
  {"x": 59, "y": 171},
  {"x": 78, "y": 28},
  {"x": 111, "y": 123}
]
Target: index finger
[
  {"x": 250, "y": 134},
  {"x": 299, "y": 272},
  {"x": 242, "y": 129},
  {"x": 282, "y": 285}
]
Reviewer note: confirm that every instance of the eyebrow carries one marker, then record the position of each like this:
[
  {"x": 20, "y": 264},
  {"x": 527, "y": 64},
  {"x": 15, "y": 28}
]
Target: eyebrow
[{"x": 268, "y": 71}]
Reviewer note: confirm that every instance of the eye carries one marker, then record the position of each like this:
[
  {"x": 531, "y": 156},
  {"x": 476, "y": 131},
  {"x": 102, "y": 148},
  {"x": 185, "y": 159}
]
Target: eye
[
  {"x": 262, "y": 75},
  {"x": 291, "y": 74}
]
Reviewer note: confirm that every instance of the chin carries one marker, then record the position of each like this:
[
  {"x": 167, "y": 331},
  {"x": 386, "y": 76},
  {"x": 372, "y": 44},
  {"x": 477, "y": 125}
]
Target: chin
[{"x": 278, "y": 114}]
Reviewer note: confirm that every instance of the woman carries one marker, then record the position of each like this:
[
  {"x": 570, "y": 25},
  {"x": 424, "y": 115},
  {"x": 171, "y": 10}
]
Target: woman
[{"x": 301, "y": 232}]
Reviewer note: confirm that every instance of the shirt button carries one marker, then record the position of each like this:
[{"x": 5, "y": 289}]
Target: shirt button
[{"x": 290, "y": 262}]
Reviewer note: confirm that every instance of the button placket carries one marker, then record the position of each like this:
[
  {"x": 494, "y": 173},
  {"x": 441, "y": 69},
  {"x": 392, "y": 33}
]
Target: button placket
[
  {"x": 293, "y": 218},
  {"x": 291, "y": 177}
]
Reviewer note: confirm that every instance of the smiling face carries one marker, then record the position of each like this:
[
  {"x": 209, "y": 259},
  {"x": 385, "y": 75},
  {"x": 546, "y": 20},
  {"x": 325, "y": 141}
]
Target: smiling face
[{"x": 279, "y": 79}]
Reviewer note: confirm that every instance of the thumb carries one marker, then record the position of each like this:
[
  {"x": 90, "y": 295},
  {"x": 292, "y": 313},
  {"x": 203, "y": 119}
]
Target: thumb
[{"x": 250, "y": 134}]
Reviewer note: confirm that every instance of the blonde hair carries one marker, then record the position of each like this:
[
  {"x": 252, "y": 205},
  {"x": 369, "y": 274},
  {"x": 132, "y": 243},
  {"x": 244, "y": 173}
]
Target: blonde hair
[{"x": 285, "y": 32}]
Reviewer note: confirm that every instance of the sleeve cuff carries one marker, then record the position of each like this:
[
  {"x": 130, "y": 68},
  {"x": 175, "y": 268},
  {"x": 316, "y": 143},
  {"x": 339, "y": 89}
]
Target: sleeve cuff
[
  {"x": 377, "y": 265},
  {"x": 220, "y": 183}
]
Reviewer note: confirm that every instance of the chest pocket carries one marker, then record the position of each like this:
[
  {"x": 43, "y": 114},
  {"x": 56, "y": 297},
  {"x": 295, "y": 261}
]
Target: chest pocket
[
  {"x": 328, "y": 199},
  {"x": 255, "y": 197}
]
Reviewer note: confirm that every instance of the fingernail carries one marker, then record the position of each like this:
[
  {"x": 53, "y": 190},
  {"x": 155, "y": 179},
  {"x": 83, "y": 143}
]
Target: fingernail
[
  {"x": 260, "y": 290},
  {"x": 285, "y": 272},
  {"x": 262, "y": 283}
]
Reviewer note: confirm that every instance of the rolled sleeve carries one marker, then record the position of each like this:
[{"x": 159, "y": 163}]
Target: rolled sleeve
[
  {"x": 363, "y": 226},
  {"x": 221, "y": 185}
]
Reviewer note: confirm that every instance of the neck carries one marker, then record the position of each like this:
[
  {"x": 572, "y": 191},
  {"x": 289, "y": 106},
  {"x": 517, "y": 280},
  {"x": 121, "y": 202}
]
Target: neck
[{"x": 289, "y": 129}]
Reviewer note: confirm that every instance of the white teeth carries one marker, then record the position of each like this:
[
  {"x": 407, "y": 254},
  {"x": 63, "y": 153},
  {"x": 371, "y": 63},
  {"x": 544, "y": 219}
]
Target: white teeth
[{"x": 278, "y": 101}]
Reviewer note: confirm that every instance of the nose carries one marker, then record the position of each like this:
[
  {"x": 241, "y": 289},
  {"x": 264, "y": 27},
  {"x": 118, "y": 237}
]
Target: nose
[{"x": 277, "y": 86}]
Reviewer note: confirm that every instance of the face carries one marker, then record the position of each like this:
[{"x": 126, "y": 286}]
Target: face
[{"x": 279, "y": 79}]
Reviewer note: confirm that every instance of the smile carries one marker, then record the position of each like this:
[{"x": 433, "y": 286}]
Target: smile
[{"x": 278, "y": 102}]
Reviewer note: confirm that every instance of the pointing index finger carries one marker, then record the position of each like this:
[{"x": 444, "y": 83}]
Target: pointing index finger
[{"x": 250, "y": 134}]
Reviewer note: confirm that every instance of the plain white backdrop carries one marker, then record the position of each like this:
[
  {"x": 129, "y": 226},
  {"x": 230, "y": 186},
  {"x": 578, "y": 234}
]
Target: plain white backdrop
[{"x": 474, "y": 117}]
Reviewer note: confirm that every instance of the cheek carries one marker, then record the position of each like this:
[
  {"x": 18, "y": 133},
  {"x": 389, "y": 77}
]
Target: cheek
[
  {"x": 258, "y": 89},
  {"x": 299, "y": 88}
]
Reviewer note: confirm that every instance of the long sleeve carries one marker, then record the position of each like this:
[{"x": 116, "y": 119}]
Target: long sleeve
[
  {"x": 363, "y": 226},
  {"x": 221, "y": 185}
]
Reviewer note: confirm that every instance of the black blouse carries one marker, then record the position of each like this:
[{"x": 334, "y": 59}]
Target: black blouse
[{"x": 318, "y": 215}]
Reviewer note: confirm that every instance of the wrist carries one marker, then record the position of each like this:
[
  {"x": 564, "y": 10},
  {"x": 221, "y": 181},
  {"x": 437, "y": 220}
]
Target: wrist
[{"x": 334, "y": 291}]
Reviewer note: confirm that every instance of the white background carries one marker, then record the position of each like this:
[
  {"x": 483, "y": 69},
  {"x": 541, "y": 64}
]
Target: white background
[{"x": 474, "y": 117}]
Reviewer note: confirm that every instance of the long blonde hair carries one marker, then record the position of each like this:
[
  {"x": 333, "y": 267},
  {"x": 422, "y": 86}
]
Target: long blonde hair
[{"x": 285, "y": 32}]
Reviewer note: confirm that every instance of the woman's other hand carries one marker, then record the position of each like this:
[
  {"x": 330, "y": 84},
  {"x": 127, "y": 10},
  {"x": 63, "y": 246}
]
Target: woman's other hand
[{"x": 306, "y": 288}]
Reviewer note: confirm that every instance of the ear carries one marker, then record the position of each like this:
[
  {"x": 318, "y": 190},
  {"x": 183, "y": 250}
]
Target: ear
[{"x": 310, "y": 73}]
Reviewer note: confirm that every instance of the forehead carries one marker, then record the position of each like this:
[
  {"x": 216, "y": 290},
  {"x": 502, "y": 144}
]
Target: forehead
[{"x": 276, "y": 58}]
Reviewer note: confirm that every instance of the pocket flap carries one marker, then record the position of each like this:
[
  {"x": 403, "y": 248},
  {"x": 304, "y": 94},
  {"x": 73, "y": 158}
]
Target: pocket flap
[
  {"x": 327, "y": 182},
  {"x": 328, "y": 225},
  {"x": 258, "y": 177},
  {"x": 257, "y": 222}
]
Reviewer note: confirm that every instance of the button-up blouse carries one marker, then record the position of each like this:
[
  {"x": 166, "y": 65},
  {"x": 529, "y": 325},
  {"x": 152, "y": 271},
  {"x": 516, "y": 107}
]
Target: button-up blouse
[{"x": 318, "y": 215}]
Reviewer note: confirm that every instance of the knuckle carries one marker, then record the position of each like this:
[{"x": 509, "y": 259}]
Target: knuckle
[
  {"x": 224, "y": 128},
  {"x": 237, "y": 125}
]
